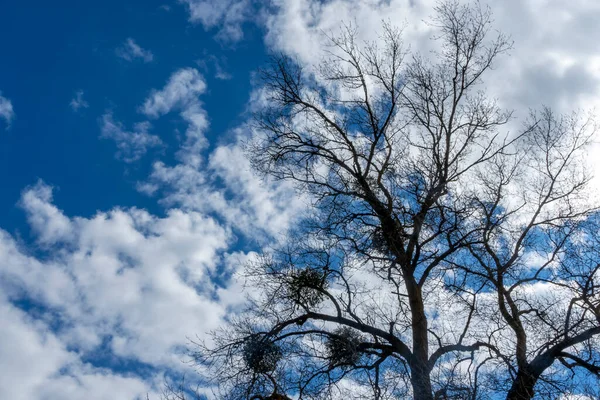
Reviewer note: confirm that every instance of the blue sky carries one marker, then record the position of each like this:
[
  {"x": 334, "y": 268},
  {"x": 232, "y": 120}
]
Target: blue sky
[{"x": 127, "y": 205}]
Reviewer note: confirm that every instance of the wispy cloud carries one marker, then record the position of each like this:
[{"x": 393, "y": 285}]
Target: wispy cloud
[
  {"x": 78, "y": 102},
  {"x": 225, "y": 15},
  {"x": 240, "y": 197},
  {"x": 216, "y": 64},
  {"x": 130, "y": 51},
  {"x": 181, "y": 93},
  {"x": 6, "y": 110},
  {"x": 131, "y": 145},
  {"x": 181, "y": 90}
]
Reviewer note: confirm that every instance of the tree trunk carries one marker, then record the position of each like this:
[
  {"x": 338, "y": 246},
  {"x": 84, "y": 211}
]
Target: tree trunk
[
  {"x": 522, "y": 387},
  {"x": 421, "y": 382},
  {"x": 419, "y": 365}
]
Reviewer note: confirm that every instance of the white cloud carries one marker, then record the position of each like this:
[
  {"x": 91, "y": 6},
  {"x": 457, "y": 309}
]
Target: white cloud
[
  {"x": 130, "y": 51},
  {"x": 224, "y": 185},
  {"x": 35, "y": 364},
  {"x": 136, "y": 284},
  {"x": 227, "y": 15},
  {"x": 47, "y": 221},
  {"x": 181, "y": 93},
  {"x": 143, "y": 279},
  {"x": 181, "y": 90},
  {"x": 555, "y": 60},
  {"x": 6, "y": 110},
  {"x": 253, "y": 204},
  {"x": 221, "y": 184},
  {"x": 131, "y": 146},
  {"x": 78, "y": 102}
]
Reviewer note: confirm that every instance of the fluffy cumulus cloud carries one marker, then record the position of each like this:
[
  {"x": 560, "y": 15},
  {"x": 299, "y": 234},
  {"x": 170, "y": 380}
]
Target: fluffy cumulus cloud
[
  {"x": 123, "y": 282},
  {"x": 7, "y": 112},
  {"x": 131, "y": 51},
  {"x": 46, "y": 220},
  {"x": 131, "y": 145},
  {"x": 554, "y": 60},
  {"x": 42, "y": 367}
]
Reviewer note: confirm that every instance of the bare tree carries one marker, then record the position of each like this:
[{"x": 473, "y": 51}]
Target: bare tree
[{"x": 442, "y": 257}]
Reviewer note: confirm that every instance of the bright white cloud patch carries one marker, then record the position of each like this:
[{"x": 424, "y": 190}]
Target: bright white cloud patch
[
  {"x": 131, "y": 145},
  {"x": 46, "y": 220},
  {"x": 78, "y": 102},
  {"x": 131, "y": 51},
  {"x": 41, "y": 367},
  {"x": 6, "y": 110},
  {"x": 124, "y": 282},
  {"x": 554, "y": 62},
  {"x": 181, "y": 90}
]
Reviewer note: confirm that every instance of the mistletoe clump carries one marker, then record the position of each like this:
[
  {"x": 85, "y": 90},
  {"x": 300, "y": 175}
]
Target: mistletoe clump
[
  {"x": 343, "y": 347},
  {"x": 379, "y": 242},
  {"x": 306, "y": 286},
  {"x": 260, "y": 354}
]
